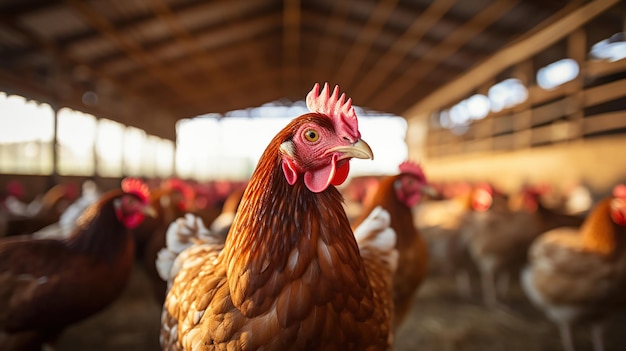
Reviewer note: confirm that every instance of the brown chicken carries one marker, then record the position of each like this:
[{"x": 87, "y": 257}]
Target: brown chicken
[
  {"x": 48, "y": 284},
  {"x": 499, "y": 244},
  {"x": 290, "y": 275},
  {"x": 221, "y": 225},
  {"x": 398, "y": 194},
  {"x": 577, "y": 275},
  {"x": 173, "y": 199},
  {"x": 441, "y": 224},
  {"x": 44, "y": 210}
]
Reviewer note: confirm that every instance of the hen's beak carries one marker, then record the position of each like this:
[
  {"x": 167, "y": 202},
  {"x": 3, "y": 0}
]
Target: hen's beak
[
  {"x": 149, "y": 211},
  {"x": 429, "y": 191},
  {"x": 360, "y": 149}
]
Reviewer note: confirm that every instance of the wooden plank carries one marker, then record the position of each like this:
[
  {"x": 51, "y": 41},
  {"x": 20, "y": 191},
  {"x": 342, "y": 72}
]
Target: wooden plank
[
  {"x": 577, "y": 50},
  {"x": 604, "y": 93},
  {"x": 119, "y": 111},
  {"x": 194, "y": 51},
  {"x": 333, "y": 23},
  {"x": 134, "y": 50},
  {"x": 522, "y": 139},
  {"x": 541, "y": 135},
  {"x": 509, "y": 56},
  {"x": 553, "y": 111},
  {"x": 376, "y": 76},
  {"x": 366, "y": 37},
  {"x": 537, "y": 95},
  {"x": 503, "y": 142},
  {"x": 447, "y": 47},
  {"x": 604, "y": 122},
  {"x": 504, "y": 124},
  {"x": 478, "y": 145},
  {"x": 597, "y": 69},
  {"x": 291, "y": 43}
]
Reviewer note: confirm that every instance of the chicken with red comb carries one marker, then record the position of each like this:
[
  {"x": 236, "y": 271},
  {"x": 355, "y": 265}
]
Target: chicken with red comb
[
  {"x": 48, "y": 284},
  {"x": 579, "y": 275},
  {"x": 291, "y": 274},
  {"x": 398, "y": 194}
]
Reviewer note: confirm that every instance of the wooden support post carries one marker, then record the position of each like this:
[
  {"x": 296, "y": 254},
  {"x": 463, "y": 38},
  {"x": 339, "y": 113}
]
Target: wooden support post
[
  {"x": 577, "y": 50},
  {"x": 52, "y": 180},
  {"x": 522, "y": 131}
]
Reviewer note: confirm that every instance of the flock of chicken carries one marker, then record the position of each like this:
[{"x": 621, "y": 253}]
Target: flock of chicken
[{"x": 288, "y": 264}]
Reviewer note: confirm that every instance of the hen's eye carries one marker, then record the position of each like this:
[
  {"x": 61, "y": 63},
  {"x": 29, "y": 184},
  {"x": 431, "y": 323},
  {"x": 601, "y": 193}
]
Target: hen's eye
[{"x": 311, "y": 135}]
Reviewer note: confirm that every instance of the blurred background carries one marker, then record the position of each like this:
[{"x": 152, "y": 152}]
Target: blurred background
[{"x": 505, "y": 92}]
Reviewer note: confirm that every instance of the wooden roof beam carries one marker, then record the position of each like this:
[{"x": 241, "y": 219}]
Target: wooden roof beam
[
  {"x": 213, "y": 72},
  {"x": 508, "y": 56},
  {"x": 291, "y": 43},
  {"x": 338, "y": 19},
  {"x": 133, "y": 49},
  {"x": 133, "y": 100},
  {"x": 212, "y": 40},
  {"x": 447, "y": 47},
  {"x": 367, "y": 85},
  {"x": 221, "y": 9},
  {"x": 18, "y": 8},
  {"x": 357, "y": 53},
  {"x": 226, "y": 55},
  {"x": 252, "y": 82}
]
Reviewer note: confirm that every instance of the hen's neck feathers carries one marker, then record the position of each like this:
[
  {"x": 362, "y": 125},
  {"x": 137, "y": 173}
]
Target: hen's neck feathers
[
  {"x": 99, "y": 232},
  {"x": 401, "y": 215},
  {"x": 599, "y": 233},
  {"x": 279, "y": 228}
]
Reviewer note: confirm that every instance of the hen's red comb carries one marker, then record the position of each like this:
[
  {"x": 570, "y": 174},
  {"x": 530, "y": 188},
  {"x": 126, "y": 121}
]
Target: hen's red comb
[
  {"x": 184, "y": 188},
  {"x": 137, "y": 187},
  {"x": 412, "y": 168},
  {"x": 620, "y": 191},
  {"x": 486, "y": 187},
  {"x": 336, "y": 107}
]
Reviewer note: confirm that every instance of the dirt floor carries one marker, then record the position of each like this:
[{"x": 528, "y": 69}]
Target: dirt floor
[{"x": 440, "y": 321}]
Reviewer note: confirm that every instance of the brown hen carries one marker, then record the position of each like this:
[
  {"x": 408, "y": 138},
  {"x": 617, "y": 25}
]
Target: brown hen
[
  {"x": 398, "y": 194},
  {"x": 47, "y": 284},
  {"x": 579, "y": 275},
  {"x": 290, "y": 275}
]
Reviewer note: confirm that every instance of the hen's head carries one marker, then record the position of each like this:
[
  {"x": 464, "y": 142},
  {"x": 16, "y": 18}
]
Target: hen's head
[
  {"x": 411, "y": 184},
  {"x": 482, "y": 197},
  {"x": 133, "y": 205},
  {"x": 183, "y": 194},
  {"x": 618, "y": 205},
  {"x": 323, "y": 141}
]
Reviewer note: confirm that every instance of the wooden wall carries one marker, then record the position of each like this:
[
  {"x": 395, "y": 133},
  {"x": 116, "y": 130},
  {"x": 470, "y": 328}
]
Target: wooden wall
[{"x": 599, "y": 163}]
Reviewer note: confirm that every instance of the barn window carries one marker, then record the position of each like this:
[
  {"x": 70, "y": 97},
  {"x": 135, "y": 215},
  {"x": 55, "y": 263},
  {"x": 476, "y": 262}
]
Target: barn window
[
  {"x": 557, "y": 73},
  {"x": 25, "y": 136}
]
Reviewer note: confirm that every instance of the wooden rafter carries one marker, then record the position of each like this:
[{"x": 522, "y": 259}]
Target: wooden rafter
[
  {"x": 221, "y": 9},
  {"x": 291, "y": 43},
  {"x": 508, "y": 56},
  {"x": 240, "y": 52},
  {"x": 357, "y": 53},
  {"x": 214, "y": 40},
  {"x": 375, "y": 77},
  {"x": 337, "y": 18},
  {"x": 134, "y": 50},
  {"x": 48, "y": 94},
  {"x": 260, "y": 78},
  {"x": 197, "y": 54},
  {"x": 453, "y": 42}
]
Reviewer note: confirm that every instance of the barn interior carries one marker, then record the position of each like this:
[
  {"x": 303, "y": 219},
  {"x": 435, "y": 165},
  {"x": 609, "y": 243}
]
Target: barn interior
[{"x": 509, "y": 93}]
